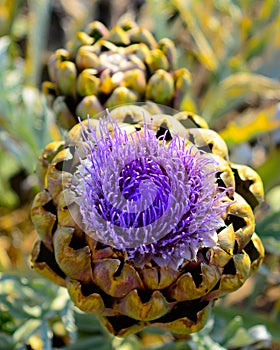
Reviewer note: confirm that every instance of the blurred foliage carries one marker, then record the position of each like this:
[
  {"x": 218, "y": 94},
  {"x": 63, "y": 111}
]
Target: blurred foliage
[
  {"x": 40, "y": 315},
  {"x": 225, "y": 44},
  {"x": 232, "y": 49}
]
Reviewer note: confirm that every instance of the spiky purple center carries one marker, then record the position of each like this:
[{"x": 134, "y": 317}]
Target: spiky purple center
[
  {"x": 141, "y": 178},
  {"x": 157, "y": 200}
]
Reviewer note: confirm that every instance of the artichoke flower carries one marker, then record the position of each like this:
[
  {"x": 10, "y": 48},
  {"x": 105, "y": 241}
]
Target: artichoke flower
[
  {"x": 103, "y": 68},
  {"x": 144, "y": 219}
]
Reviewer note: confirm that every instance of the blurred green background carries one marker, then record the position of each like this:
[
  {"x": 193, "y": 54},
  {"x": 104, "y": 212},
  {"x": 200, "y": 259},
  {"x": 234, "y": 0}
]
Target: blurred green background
[{"x": 232, "y": 49}]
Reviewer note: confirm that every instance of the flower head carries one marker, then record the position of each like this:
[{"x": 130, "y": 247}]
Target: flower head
[
  {"x": 155, "y": 198},
  {"x": 145, "y": 220}
]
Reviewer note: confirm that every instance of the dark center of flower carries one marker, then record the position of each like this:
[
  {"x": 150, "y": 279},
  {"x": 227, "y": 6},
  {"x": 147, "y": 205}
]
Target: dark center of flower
[
  {"x": 146, "y": 181},
  {"x": 144, "y": 184}
]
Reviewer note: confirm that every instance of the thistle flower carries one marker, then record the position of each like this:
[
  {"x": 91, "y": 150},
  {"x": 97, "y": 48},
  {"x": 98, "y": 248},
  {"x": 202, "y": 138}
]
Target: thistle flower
[
  {"x": 103, "y": 68},
  {"x": 133, "y": 188},
  {"x": 144, "y": 219}
]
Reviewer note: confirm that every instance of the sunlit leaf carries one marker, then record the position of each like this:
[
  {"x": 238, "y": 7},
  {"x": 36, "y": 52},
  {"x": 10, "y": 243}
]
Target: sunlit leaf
[
  {"x": 251, "y": 125},
  {"x": 235, "y": 89}
]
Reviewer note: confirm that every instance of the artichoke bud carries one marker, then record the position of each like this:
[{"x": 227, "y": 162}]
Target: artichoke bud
[
  {"x": 86, "y": 58},
  {"x": 89, "y": 106},
  {"x": 121, "y": 95},
  {"x": 160, "y": 87},
  {"x": 87, "y": 82},
  {"x": 127, "y": 56},
  {"x": 64, "y": 117},
  {"x": 66, "y": 78},
  {"x": 160, "y": 262}
]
